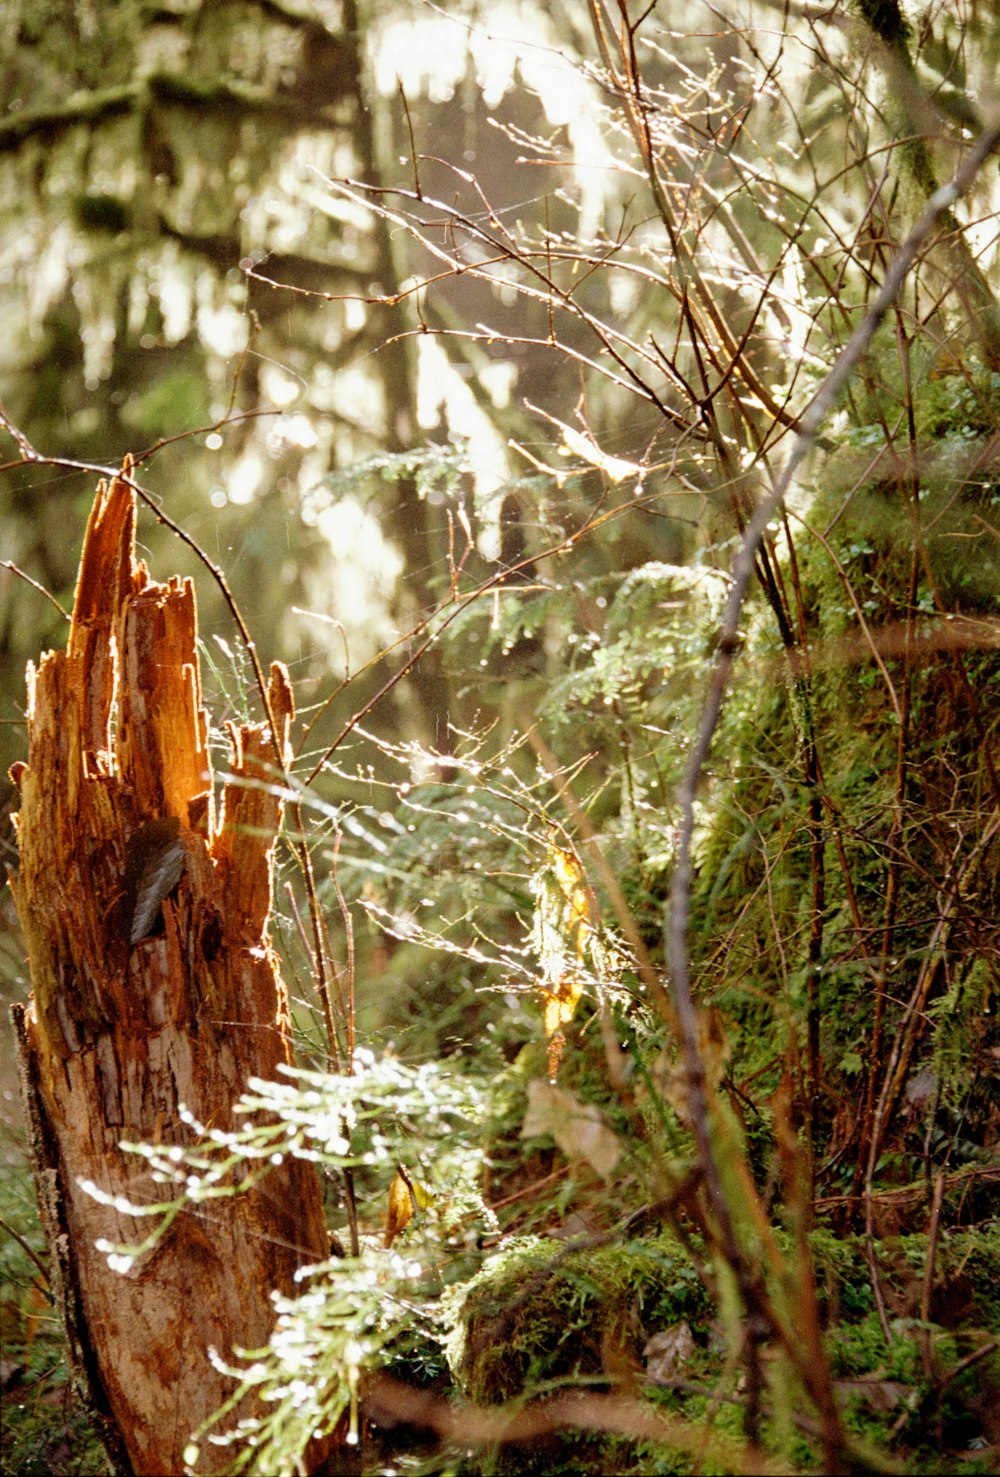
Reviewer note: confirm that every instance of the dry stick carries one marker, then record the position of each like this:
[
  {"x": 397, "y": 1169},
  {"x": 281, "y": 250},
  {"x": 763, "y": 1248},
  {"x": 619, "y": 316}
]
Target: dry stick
[
  {"x": 300, "y": 926},
  {"x": 801, "y": 669},
  {"x": 223, "y": 423},
  {"x": 390, "y": 1401},
  {"x": 6, "y": 1226},
  {"x": 798, "y": 658},
  {"x": 638, "y": 116},
  {"x": 629, "y": 88},
  {"x": 351, "y": 965},
  {"x": 917, "y": 1189},
  {"x": 308, "y": 948},
  {"x": 876, "y": 1280},
  {"x": 928, "y": 1287},
  {"x": 24, "y": 446},
  {"x": 982, "y": 1352},
  {"x": 545, "y": 292},
  {"x": 902, "y": 1047},
  {"x": 386, "y": 651},
  {"x": 728, "y": 640},
  {"x": 680, "y": 898},
  {"x": 413, "y": 148},
  {"x": 8, "y": 564},
  {"x": 531, "y": 1189},
  {"x": 800, "y": 1204},
  {"x": 229, "y": 417},
  {"x": 894, "y": 840}
]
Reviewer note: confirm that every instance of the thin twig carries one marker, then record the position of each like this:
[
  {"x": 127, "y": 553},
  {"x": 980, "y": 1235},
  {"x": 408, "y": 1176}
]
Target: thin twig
[
  {"x": 390, "y": 1401},
  {"x": 24, "y": 446},
  {"x": 678, "y": 913},
  {"x": 990, "y": 1347},
  {"x": 728, "y": 642},
  {"x": 927, "y": 1291},
  {"x": 6, "y": 1226},
  {"x": 9, "y": 564},
  {"x": 533, "y": 1188},
  {"x": 413, "y": 148}
]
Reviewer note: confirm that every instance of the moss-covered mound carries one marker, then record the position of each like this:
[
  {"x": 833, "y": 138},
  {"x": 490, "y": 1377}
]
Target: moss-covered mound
[{"x": 534, "y": 1315}]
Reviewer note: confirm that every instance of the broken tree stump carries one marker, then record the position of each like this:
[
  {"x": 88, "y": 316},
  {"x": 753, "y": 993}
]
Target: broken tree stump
[{"x": 154, "y": 985}]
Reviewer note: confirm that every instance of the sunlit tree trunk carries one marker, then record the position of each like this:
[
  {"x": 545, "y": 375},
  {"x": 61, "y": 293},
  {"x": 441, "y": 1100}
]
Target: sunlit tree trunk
[{"x": 154, "y": 986}]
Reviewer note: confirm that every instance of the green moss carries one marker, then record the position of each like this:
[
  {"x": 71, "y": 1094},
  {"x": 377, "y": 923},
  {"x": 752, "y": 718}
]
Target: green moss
[
  {"x": 888, "y": 1398},
  {"x": 966, "y": 1293},
  {"x": 535, "y": 1315},
  {"x": 535, "y": 1318}
]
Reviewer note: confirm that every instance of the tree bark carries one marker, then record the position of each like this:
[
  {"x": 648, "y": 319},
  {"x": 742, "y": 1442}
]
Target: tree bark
[{"x": 118, "y": 1034}]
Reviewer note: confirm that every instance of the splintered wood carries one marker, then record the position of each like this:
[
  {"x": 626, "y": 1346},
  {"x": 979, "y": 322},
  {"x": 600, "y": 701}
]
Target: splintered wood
[{"x": 154, "y": 985}]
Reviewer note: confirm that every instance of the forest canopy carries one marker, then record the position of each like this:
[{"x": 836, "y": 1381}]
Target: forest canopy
[{"x": 561, "y": 444}]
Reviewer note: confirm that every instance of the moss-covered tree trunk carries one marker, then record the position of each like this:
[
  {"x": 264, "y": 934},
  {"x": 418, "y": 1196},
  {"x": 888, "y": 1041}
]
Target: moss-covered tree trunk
[{"x": 154, "y": 986}]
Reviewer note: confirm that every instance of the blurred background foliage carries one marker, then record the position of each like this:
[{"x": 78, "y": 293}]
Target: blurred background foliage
[{"x": 553, "y": 338}]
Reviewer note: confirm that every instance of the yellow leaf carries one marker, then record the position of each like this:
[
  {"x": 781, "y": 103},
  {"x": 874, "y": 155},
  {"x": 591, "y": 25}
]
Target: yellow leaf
[
  {"x": 573, "y": 885},
  {"x": 561, "y": 1002},
  {"x": 406, "y": 1196},
  {"x": 559, "y": 1008},
  {"x": 565, "y": 919},
  {"x": 400, "y": 1211}
]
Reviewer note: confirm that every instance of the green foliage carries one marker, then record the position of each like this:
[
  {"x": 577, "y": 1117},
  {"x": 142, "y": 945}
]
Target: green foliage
[
  {"x": 171, "y": 404},
  {"x": 436, "y": 471},
  {"x": 841, "y": 848},
  {"x": 45, "y": 1425}
]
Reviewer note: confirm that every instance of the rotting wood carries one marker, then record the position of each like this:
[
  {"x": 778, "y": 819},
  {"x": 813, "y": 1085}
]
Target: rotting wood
[{"x": 119, "y": 1033}]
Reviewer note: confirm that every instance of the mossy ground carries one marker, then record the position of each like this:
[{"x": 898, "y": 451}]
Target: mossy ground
[
  {"x": 536, "y": 1320},
  {"x": 44, "y": 1429}
]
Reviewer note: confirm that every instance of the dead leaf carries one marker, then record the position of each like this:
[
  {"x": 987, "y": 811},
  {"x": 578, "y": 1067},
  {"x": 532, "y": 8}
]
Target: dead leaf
[
  {"x": 583, "y": 445},
  {"x": 400, "y": 1211},
  {"x": 577, "y": 1128},
  {"x": 667, "y": 1352},
  {"x": 406, "y": 1196}
]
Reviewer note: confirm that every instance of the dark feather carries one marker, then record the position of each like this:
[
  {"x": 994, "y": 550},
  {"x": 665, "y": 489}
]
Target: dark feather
[{"x": 154, "y": 862}]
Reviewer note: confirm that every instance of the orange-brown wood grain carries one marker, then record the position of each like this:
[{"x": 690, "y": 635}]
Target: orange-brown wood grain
[{"x": 118, "y": 1035}]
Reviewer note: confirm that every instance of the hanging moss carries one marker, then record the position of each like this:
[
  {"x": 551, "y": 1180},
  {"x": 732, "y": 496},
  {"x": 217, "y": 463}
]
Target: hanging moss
[
  {"x": 102, "y": 213},
  {"x": 886, "y": 20}
]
